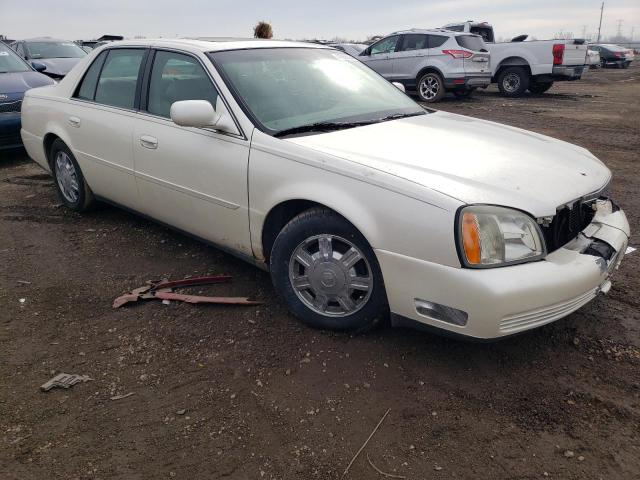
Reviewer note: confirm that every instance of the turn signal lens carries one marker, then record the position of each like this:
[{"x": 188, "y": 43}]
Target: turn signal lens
[{"x": 471, "y": 238}]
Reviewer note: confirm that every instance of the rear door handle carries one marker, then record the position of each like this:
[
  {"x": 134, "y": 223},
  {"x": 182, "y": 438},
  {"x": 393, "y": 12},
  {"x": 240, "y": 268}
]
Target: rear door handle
[
  {"x": 74, "y": 121},
  {"x": 147, "y": 141}
]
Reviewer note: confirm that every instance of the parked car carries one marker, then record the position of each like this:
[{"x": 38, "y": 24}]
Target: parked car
[
  {"x": 614, "y": 55},
  {"x": 88, "y": 45},
  {"x": 593, "y": 58},
  {"x": 353, "y": 49},
  {"x": 58, "y": 56},
  {"x": 16, "y": 77},
  {"x": 358, "y": 200},
  {"x": 520, "y": 65},
  {"x": 431, "y": 62}
]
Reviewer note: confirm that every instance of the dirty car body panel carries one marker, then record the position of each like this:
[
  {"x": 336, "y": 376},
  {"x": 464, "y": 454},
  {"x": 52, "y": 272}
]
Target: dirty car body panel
[{"x": 394, "y": 179}]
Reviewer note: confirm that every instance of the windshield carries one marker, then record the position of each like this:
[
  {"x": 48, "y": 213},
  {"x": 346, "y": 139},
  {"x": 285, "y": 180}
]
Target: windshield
[
  {"x": 285, "y": 88},
  {"x": 10, "y": 62},
  {"x": 54, "y": 50}
]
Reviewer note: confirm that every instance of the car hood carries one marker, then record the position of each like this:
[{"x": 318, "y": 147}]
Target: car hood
[
  {"x": 473, "y": 161},
  {"x": 58, "y": 66},
  {"x": 20, "y": 82}
]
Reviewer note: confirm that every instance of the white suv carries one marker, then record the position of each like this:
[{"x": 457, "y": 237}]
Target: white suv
[{"x": 431, "y": 62}]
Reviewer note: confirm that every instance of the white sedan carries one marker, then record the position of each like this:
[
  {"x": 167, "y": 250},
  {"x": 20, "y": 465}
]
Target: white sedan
[{"x": 360, "y": 202}]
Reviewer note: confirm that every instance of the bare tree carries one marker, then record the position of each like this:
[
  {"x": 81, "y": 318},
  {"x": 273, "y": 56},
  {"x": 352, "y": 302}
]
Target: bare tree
[{"x": 263, "y": 30}]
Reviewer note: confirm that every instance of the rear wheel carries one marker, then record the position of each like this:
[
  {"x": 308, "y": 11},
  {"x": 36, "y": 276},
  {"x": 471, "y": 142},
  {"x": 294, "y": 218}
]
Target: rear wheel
[
  {"x": 327, "y": 273},
  {"x": 513, "y": 81},
  {"x": 431, "y": 87},
  {"x": 70, "y": 184},
  {"x": 540, "y": 87}
]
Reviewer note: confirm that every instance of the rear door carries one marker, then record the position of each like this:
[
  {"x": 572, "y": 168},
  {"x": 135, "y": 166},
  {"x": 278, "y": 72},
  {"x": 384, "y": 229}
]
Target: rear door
[
  {"x": 100, "y": 121},
  {"x": 478, "y": 62},
  {"x": 378, "y": 55},
  {"x": 411, "y": 49}
]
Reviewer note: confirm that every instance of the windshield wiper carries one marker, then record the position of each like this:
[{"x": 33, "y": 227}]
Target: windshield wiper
[
  {"x": 333, "y": 126},
  {"x": 322, "y": 127}
]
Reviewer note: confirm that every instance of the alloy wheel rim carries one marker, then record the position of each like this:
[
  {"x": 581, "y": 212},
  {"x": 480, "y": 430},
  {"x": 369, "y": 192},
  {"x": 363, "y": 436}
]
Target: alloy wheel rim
[
  {"x": 429, "y": 88},
  {"x": 511, "y": 82},
  {"x": 330, "y": 275},
  {"x": 67, "y": 177}
]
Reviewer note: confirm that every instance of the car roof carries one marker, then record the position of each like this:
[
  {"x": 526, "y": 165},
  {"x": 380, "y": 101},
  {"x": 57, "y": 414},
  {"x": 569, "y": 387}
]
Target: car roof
[
  {"x": 45, "y": 39},
  {"x": 212, "y": 44},
  {"x": 431, "y": 30}
]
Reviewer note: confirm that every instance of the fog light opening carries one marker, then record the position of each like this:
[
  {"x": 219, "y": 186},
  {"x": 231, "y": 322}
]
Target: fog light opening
[{"x": 435, "y": 311}]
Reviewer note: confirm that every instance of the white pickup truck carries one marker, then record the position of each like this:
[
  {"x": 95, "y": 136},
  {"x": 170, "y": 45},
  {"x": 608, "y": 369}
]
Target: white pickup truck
[{"x": 534, "y": 65}]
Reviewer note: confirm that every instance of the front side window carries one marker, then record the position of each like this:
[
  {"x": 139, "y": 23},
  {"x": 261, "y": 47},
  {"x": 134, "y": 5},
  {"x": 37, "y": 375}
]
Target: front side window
[
  {"x": 285, "y": 88},
  {"x": 119, "y": 78},
  {"x": 10, "y": 62},
  {"x": 386, "y": 45},
  {"x": 54, "y": 50},
  {"x": 414, "y": 42},
  {"x": 176, "y": 77}
]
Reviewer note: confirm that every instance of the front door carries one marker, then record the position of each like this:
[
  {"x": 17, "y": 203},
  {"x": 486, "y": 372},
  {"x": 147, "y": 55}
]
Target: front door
[
  {"x": 378, "y": 56},
  {"x": 194, "y": 179}
]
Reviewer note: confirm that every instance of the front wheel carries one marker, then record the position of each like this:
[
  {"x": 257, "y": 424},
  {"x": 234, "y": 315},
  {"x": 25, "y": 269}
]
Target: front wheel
[
  {"x": 327, "y": 273},
  {"x": 540, "y": 87},
  {"x": 431, "y": 87},
  {"x": 513, "y": 81}
]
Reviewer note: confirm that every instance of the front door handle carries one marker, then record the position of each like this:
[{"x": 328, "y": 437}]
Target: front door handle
[
  {"x": 147, "y": 141},
  {"x": 74, "y": 121}
]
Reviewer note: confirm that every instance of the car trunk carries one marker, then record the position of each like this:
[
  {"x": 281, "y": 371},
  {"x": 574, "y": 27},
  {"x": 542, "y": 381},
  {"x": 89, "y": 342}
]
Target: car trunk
[{"x": 479, "y": 61}]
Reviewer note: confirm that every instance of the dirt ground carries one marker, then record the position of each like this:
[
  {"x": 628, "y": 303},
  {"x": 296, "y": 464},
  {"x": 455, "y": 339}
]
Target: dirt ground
[{"x": 245, "y": 392}]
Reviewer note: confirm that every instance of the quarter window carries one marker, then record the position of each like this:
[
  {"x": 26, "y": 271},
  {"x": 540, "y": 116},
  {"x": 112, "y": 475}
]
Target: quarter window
[
  {"x": 176, "y": 77},
  {"x": 436, "y": 41},
  {"x": 119, "y": 78},
  {"x": 385, "y": 45},
  {"x": 414, "y": 42},
  {"x": 87, "y": 90}
]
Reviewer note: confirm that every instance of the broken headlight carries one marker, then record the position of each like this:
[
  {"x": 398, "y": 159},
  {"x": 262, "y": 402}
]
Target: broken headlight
[{"x": 491, "y": 236}]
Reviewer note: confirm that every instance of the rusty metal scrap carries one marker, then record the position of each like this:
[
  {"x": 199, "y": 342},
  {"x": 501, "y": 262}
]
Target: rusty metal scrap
[{"x": 164, "y": 290}]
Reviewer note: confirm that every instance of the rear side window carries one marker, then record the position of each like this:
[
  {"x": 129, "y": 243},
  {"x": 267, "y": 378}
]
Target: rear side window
[
  {"x": 414, "y": 42},
  {"x": 119, "y": 78},
  {"x": 176, "y": 77},
  {"x": 87, "y": 90},
  {"x": 436, "y": 41},
  {"x": 470, "y": 42}
]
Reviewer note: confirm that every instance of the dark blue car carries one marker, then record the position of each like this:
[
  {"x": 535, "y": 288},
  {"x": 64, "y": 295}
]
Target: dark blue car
[{"x": 16, "y": 77}]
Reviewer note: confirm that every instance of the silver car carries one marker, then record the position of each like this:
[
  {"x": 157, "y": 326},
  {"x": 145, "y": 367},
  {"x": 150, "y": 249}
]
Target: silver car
[{"x": 431, "y": 62}]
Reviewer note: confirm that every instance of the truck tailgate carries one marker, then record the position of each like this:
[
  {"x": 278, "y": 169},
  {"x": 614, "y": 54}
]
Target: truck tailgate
[{"x": 574, "y": 54}]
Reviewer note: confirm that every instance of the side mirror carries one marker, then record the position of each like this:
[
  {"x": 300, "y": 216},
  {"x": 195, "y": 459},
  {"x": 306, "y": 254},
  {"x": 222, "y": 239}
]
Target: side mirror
[
  {"x": 399, "y": 86},
  {"x": 201, "y": 114},
  {"x": 40, "y": 67}
]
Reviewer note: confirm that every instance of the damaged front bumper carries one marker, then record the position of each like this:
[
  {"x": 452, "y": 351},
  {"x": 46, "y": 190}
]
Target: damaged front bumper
[{"x": 493, "y": 303}]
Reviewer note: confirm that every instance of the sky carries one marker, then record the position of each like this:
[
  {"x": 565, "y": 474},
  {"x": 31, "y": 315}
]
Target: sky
[{"x": 355, "y": 19}]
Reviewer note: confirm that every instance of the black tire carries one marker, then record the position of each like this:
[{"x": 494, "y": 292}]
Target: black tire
[
  {"x": 433, "y": 89},
  {"x": 540, "y": 87},
  {"x": 463, "y": 93},
  {"x": 625, "y": 64},
  {"x": 300, "y": 231},
  {"x": 84, "y": 199},
  {"x": 513, "y": 81}
]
